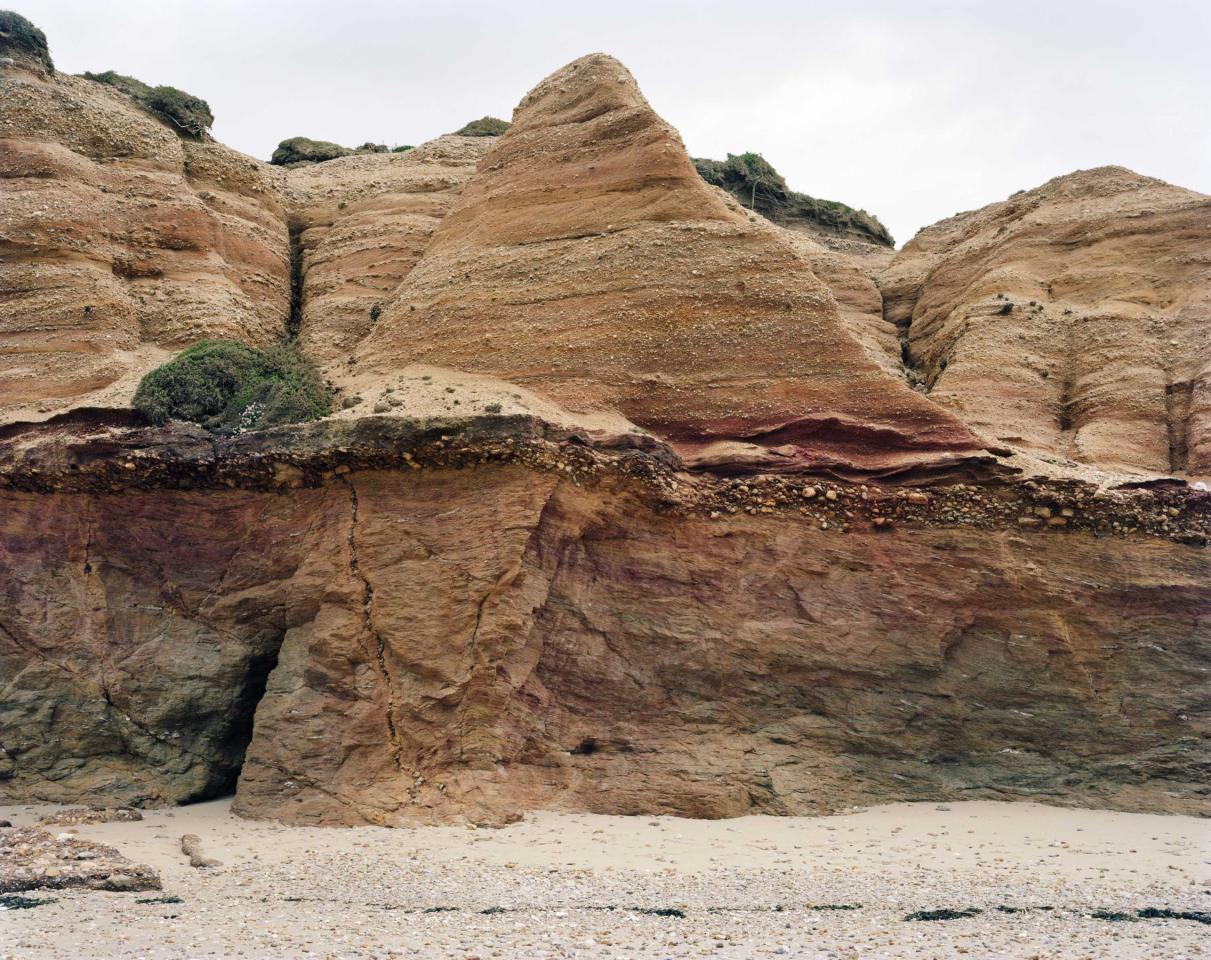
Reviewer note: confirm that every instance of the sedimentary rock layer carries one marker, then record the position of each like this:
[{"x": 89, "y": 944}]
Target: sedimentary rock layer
[
  {"x": 588, "y": 261},
  {"x": 1069, "y": 320},
  {"x": 475, "y": 619},
  {"x": 359, "y": 224},
  {"x": 122, "y": 242}
]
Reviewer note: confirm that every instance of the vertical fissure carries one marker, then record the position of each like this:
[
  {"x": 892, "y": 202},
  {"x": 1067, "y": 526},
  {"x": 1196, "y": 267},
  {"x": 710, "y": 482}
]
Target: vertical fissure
[
  {"x": 1066, "y": 409},
  {"x": 294, "y": 322},
  {"x": 1179, "y": 398},
  {"x": 377, "y": 643}
]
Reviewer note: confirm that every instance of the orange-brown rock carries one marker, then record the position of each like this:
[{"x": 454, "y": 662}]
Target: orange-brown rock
[
  {"x": 360, "y": 224},
  {"x": 471, "y": 619},
  {"x": 1070, "y": 320},
  {"x": 121, "y": 242},
  {"x": 588, "y": 261}
]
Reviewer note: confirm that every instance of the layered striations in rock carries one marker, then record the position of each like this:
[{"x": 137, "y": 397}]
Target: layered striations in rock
[
  {"x": 515, "y": 570},
  {"x": 359, "y": 224},
  {"x": 121, "y": 241},
  {"x": 475, "y": 618},
  {"x": 1071, "y": 319},
  {"x": 588, "y": 261}
]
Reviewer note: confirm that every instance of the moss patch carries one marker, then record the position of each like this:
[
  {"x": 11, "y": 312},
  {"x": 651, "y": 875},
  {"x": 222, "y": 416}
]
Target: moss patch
[{"x": 230, "y": 388}]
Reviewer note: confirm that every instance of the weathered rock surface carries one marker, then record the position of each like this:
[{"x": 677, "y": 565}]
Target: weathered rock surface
[
  {"x": 588, "y": 261},
  {"x": 33, "y": 859},
  {"x": 360, "y": 224},
  {"x": 121, "y": 242},
  {"x": 1071, "y": 319},
  {"x": 483, "y": 617},
  {"x": 516, "y": 569}
]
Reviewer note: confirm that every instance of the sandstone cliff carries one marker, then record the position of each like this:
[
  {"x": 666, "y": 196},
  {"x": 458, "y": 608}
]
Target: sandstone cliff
[
  {"x": 1070, "y": 319},
  {"x": 360, "y": 223},
  {"x": 630, "y": 505},
  {"x": 121, "y": 241},
  {"x": 480, "y": 617},
  {"x": 588, "y": 261}
]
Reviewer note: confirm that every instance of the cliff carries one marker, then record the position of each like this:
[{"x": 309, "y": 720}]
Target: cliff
[{"x": 633, "y": 501}]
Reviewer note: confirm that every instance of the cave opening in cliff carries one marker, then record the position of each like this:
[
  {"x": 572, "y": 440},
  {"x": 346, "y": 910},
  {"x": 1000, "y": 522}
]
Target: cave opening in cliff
[{"x": 242, "y": 721}]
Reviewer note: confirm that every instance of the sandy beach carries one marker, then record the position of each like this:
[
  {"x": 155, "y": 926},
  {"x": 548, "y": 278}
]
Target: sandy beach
[{"x": 574, "y": 885}]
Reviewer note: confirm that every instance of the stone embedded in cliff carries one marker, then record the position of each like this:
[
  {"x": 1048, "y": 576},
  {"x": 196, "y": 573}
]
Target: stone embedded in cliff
[
  {"x": 1070, "y": 320},
  {"x": 360, "y": 224},
  {"x": 122, "y": 242},
  {"x": 589, "y": 261}
]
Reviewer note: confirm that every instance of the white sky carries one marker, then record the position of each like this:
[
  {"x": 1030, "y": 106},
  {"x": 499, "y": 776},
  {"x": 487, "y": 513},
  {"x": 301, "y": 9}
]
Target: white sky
[{"x": 912, "y": 110}]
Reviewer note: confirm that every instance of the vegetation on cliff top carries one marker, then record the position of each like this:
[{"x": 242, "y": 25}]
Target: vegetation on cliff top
[
  {"x": 188, "y": 114},
  {"x": 297, "y": 150},
  {"x": 20, "y": 36},
  {"x": 484, "y": 127},
  {"x": 229, "y": 388},
  {"x": 751, "y": 179}
]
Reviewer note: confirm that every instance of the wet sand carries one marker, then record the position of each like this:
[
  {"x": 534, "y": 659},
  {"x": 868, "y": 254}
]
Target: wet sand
[{"x": 574, "y": 885}]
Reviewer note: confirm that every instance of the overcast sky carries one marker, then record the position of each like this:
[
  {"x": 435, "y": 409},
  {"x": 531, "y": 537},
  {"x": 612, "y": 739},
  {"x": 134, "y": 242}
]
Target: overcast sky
[{"x": 910, "y": 110}]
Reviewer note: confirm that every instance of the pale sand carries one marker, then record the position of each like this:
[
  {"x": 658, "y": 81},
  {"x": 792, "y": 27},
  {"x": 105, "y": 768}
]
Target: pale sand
[{"x": 747, "y": 887}]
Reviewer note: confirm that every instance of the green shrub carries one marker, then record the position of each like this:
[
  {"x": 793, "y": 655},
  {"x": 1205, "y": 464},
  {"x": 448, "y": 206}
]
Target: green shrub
[
  {"x": 483, "y": 127},
  {"x": 128, "y": 85},
  {"x": 20, "y": 36},
  {"x": 186, "y": 113},
  {"x": 306, "y": 150},
  {"x": 751, "y": 179},
  {"x": 228, "y": 388},
  {"x": 403, "y": 149},
  {"x": 183, "y": 110}
]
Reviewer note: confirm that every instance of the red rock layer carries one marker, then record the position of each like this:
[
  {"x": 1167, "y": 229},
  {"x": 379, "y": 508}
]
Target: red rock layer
[
  {"x": 588, "y": 261},
  {"x": 441, "y": 642}
]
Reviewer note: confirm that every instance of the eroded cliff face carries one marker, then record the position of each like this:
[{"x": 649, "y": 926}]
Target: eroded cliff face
[
  {"x": 1070, "y": 320},
  {"x": 588, "y": 261},
  {"x": 122, "y": 243},
  {"x": 359, "y": 224},
  {"x": 630, "y": 504},
  {"x": 477, "y": 618}
]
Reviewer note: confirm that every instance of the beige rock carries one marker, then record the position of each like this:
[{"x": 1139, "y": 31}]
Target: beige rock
[
  {"x": 588, "y": 261},
  {"x": 1070, "y": 320},
  {"x": 360, "y": 224},
  {"x": 121, "y": 243}
]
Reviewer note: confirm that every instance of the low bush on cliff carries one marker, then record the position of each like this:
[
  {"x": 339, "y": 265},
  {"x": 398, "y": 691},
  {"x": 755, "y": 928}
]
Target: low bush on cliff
[
  {"x": 228, "y": 388},
  {"x": 305, "y": 150},
  {"x": 483, "y": 127},
  {"x": 186, "y": 113},
  {"x": 753, "y": 181},
  {"x": 19, "y": 36}
]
